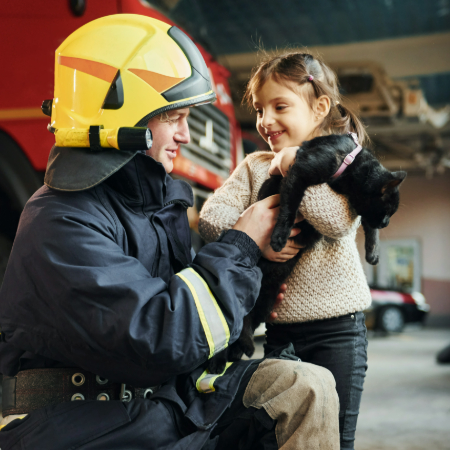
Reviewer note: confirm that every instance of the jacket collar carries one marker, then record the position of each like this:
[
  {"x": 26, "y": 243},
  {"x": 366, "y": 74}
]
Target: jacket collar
[{"x": 144, "y": 182}]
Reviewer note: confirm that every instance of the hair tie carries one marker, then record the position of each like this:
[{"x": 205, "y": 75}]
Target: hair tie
[{"x": 310, "y": 78}]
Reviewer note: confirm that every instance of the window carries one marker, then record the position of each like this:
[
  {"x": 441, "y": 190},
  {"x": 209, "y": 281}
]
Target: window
[{"x": 399, "y": 267}]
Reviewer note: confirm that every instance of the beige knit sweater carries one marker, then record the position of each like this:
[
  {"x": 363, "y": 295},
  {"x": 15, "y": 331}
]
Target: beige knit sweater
[{"x": 328, "y": 280}]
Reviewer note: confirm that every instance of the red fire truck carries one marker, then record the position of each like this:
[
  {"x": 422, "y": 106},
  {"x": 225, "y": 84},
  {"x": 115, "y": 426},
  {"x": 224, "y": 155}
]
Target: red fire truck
[{"x": 30, "y": 32}]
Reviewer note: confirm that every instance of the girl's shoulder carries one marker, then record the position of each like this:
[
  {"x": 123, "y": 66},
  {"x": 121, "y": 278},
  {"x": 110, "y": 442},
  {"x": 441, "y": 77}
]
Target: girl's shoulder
[
  {"x": 265, "y": 155},
  {"x": 259, "y": 160}
]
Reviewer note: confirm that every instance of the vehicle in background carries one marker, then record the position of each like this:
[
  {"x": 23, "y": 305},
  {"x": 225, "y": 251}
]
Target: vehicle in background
[
  {"x": 391, "y": 310},
  {"x": 382, "y": 100},
  {"x": 443, "y": 356},
  {"x": 30, "y": 33}
]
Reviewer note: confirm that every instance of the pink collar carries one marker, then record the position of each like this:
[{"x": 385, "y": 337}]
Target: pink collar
[{"x": 350, "y": 157}]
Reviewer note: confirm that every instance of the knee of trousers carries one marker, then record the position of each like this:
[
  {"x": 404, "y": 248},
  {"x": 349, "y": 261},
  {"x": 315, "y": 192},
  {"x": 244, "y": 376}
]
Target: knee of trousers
[{"x": 302, "y": 398}]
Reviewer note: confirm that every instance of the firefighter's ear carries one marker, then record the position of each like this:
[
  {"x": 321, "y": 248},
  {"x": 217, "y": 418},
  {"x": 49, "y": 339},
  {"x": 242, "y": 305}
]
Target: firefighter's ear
[{"x": 396, "y": 179}]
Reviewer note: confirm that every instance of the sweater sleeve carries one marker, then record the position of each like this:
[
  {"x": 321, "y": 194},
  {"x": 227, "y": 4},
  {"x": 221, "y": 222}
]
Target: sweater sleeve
[
  {"x": 222, "y": 210},
  {"x": 328, "y": 212}
]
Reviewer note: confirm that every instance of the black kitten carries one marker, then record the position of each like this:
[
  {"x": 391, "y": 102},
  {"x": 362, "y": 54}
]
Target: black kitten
[{"x": 372, "y": 191}]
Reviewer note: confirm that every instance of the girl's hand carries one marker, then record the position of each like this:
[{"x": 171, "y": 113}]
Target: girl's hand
[
  {"x": 280, "y": 298},
  {"x": 282, "y": 161},
  {"x": 287, "y": 252}
]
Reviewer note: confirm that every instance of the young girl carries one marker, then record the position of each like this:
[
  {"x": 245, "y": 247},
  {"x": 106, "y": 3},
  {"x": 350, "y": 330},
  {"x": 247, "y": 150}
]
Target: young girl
[{"x": 296, "y": 98}]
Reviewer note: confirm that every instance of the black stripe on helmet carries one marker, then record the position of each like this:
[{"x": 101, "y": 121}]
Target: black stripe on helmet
[{"x": 198, "y": 83}]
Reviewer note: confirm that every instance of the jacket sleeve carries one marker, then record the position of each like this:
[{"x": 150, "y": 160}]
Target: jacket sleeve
[
  {"x": 328, "y": 212},
  {"x": 222, "y": 210},
  {"x": 80, "y": 300}
]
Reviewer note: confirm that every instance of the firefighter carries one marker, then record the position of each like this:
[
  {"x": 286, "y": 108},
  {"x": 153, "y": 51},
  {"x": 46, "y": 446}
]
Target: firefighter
[{"x": 106, "y": 320}]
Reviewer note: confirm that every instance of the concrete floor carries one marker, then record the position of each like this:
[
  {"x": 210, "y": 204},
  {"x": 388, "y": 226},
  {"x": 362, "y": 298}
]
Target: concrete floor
[{"x": 406, "y": 400}]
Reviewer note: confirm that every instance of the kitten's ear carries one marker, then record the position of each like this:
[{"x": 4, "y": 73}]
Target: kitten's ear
[{"x": 397, "y": 178}]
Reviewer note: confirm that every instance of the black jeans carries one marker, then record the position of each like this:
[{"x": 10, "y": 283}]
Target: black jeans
[{"x": 338, "y": 344}]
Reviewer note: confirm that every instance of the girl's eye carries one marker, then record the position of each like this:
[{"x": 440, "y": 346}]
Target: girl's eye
[
  {"x": 281, "y": 107},
  {"x": 258, "y": 112}
]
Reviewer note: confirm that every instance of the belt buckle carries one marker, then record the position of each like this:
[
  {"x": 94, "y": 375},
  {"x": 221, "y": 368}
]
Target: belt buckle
[{"x": 125, "y": 396}]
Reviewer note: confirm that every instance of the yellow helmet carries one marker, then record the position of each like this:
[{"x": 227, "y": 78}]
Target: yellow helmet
[{"x": 120, "y": 71}]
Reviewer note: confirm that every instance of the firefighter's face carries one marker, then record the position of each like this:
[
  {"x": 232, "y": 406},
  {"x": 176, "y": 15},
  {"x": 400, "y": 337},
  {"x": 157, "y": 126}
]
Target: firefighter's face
[{"x": 168, "y": 133}]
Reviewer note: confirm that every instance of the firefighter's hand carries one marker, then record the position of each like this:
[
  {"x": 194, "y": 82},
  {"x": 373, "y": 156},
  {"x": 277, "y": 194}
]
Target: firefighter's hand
[
  {"x": 280, "y": 298},
  {"x": 259, "y": 220}
]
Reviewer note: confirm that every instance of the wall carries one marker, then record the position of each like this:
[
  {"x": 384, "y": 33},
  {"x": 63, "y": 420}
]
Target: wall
[{"x": 424, "y": 214}]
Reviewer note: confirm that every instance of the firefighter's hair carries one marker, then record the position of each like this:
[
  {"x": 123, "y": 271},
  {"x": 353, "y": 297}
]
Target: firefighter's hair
[
  {"x": 305, "y": 69},
  {"x": 164, "y": 117}
]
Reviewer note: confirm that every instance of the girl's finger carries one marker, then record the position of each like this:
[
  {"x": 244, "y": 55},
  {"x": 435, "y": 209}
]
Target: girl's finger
[
  {"x": 286, "y": 257},
  {"x": 294, "y": 245},
  {"x": 271, "y": 202},
  {"x": 288, "y": 252},
  {"x": 274, "y": 170},
  {"x": 291, "y": 250}
]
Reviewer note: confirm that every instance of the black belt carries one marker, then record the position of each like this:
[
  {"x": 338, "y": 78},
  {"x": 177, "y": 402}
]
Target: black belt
[{"x": 37, "y": 388}]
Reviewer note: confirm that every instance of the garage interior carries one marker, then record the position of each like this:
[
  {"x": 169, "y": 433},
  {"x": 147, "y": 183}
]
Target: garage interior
[{"x": 393, "y": 62}]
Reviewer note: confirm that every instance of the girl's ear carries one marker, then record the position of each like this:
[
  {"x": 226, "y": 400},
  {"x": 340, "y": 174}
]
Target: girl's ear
[
  {"x": 397, "y": 178},
  {"x": 322, "y": 106}
]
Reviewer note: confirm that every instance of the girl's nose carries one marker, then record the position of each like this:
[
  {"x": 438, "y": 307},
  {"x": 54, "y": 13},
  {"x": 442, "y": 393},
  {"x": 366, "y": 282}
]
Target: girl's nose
[{"x": 267, "y": 120}]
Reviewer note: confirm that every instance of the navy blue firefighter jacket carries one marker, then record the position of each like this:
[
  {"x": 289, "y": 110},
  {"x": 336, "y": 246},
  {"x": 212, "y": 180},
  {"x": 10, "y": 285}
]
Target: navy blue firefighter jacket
[{"x": 103, "y": 279}]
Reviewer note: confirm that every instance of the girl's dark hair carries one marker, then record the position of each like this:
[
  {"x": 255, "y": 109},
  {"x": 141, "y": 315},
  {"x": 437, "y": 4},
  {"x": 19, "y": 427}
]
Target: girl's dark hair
[{"x": 298, "y": 68}]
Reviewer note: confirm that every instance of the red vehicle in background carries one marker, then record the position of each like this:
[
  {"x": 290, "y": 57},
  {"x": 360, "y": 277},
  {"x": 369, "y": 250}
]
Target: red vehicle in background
[
  {"x": 30, "y": 32},
  {"x": 391, "y": 309}
]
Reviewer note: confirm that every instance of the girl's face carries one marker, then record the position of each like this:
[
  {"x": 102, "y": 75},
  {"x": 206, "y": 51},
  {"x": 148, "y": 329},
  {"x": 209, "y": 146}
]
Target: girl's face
[{"x": 284, "y": 118}]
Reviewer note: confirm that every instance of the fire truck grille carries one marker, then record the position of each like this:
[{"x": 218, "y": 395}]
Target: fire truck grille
[{"x": 210, "y": 144}]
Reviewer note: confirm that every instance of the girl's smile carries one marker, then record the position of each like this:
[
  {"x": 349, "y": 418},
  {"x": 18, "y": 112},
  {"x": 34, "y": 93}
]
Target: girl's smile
[
  {"x": 274, "y": 135},
  {"x": 284, "y": 118}
]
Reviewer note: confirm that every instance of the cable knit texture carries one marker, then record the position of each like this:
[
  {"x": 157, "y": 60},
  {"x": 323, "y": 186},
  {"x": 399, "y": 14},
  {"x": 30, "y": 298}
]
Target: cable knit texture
[{"x": 328, "y": 280}]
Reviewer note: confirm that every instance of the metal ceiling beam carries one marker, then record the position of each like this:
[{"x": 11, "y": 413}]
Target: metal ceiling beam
[{"x": 404, "y": 57}]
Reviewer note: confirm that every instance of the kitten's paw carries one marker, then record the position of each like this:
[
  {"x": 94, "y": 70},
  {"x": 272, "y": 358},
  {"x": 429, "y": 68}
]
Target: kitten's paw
[
  {"x": 217, "y": 363},
  {"x": 277, "y": 245},
  {"x": 248, "y": 349},
  {"x": 279, "y": 238},
  {"x": 372, "y": 258},
  {"x": 235, "y": 352}
]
